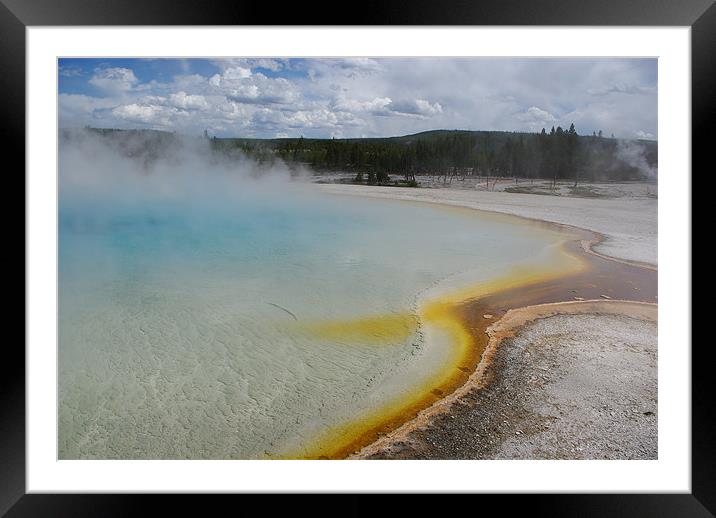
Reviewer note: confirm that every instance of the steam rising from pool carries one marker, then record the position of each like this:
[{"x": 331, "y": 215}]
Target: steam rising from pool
[{"x": 211, "y": 307}]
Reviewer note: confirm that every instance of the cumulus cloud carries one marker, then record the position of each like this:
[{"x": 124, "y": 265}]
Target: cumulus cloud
[
  {"x": 352, "y": 97},
  {"x": 241, "y": 85},
  {"x": 78, "y": 110},
  {"x": 376, "y": 106},
  {"x": 148, "y": 114},
  {"x": 304, "y": 119},
  {"x": 536, "y": 118},
  {"x": 266, "y": 63},
  {"x": 419, "y": 107},
  {"x": 114, "y": 79},
  {"x": 230, "y": 77},
  {"x": 188, "y": 102},
  {"x": 386, "y": 107}
]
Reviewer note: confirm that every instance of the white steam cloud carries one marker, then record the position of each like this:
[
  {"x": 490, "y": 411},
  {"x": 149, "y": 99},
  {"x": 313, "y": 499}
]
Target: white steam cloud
[
  {"x": 127, "y": 167},
  {"x": 634, "y": 154}
]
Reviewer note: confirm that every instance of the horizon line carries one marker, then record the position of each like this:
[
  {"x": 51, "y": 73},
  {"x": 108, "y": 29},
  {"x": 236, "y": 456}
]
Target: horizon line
[{"x": 350, "y": 138}]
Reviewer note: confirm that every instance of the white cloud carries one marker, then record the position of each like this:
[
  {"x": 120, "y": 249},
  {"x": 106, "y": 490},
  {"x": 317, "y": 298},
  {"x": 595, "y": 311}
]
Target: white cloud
[
  {"x": 146, "y": 114},
  {"x": 188, "y": 102},
  {"x": 114, "y": 80},
  {"x": 190, "y": 83},
  {"x": 535, "y": 118},
  {"x": 376, "y": 106},
  {"x": 419, "y": 107},
  {"x": 537, "y": 115},
  {"x": 241, "y": 85},
  {"x": 230, "y": 76},
  {"x": 266, "y": 63},
  {"x": 385, "y": 107},
  {"x": 78, "y": 110},
  {"x": 379, "y": 96},
  {"x": 320, "y": 118}
]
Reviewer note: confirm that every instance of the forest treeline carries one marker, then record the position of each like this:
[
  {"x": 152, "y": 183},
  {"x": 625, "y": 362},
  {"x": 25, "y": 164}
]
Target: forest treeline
[{"x": 555, "y": 154}]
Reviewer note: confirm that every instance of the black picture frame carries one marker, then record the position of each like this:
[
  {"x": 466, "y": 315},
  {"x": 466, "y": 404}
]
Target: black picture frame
[{"x": 16, "y": 15}]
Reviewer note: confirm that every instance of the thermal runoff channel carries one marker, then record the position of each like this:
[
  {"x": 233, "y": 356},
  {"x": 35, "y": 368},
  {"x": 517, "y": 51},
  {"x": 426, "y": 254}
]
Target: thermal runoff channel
[{"x": 215, "y": 309}]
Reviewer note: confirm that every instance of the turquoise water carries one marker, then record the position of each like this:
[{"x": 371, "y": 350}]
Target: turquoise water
[{"x": 180, "y": 315}]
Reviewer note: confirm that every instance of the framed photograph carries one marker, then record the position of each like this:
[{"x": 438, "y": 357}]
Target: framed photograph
[{"x": 432, "y": 252}]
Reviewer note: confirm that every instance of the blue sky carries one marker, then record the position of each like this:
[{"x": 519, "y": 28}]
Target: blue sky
[{"x": 360, "y": 97}]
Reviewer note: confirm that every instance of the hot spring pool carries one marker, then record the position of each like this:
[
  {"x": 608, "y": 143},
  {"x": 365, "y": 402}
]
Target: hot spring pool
[{"x": 249, "y": 326}]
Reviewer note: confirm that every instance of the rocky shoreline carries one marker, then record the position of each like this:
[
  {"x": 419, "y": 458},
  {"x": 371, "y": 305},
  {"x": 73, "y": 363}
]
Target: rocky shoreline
[{"x": 567, "y": 385}]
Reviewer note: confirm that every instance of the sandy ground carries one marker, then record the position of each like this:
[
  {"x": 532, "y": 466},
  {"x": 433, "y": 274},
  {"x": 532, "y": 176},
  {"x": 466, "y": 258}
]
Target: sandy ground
[
  {"x": 628, "y": 223},
  {"x": 560, "y": 385},
  {"x": 598, "y": 382}
]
